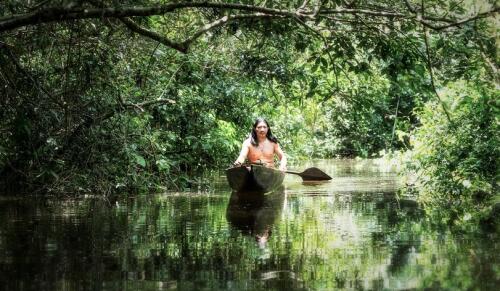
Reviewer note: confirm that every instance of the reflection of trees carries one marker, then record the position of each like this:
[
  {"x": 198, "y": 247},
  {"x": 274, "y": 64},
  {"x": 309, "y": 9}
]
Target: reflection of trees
[
  {"x": 375, "y": 241},
  {"x": 46, "y": 244},
  {"x": 355, "y": 241}
]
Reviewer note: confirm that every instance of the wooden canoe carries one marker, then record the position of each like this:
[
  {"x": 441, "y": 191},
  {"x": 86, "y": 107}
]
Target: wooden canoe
[{"x": 254, "y": 178}]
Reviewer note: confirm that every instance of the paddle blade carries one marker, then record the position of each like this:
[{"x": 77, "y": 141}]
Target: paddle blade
[{"x": 314, "y": 174}]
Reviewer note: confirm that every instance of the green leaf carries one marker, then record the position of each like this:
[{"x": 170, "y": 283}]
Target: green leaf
[
  {"x": 316, "y": 65},
  {"x": 163, "y": 165},
  {"x": 140, "y": 160},
  {"x": 324, "y": 62}
]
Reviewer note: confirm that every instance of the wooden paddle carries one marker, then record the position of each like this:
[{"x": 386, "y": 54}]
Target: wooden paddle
[{"x": 311, "y": 174}]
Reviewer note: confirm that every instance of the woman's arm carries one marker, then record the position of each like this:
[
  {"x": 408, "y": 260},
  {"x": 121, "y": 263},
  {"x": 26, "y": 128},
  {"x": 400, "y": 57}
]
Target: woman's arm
[
  {"x": 243, "y": 153},
  {"x": 281, "y": 156}
]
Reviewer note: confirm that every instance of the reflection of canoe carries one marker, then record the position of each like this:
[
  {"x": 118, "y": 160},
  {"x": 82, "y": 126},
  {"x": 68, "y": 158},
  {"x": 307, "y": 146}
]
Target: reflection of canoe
[
  {"x": 255, "y": 214},
  {"x": 254, "y": 178}
]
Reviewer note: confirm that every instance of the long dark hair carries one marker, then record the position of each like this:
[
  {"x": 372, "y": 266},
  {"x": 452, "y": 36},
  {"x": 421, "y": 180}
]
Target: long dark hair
[{"x": 254, "y": 140}]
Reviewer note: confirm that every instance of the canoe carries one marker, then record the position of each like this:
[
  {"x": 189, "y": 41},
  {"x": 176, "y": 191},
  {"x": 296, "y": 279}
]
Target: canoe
[{"x": 254, "y": 178}]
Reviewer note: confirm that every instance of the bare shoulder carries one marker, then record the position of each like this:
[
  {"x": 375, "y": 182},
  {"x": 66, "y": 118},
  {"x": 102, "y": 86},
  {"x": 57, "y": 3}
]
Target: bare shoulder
[{"x": 247, "y": 142}]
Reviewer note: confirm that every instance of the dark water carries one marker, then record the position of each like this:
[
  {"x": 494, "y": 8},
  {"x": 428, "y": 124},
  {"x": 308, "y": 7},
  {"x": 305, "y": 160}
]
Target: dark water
[{"x": 352, "y": 233}]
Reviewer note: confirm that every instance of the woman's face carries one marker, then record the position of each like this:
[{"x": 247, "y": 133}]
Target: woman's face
[{"x": 261, "y": 129}]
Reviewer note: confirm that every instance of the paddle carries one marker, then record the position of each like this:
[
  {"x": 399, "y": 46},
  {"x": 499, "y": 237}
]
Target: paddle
[{"x": 311, "y": 174}]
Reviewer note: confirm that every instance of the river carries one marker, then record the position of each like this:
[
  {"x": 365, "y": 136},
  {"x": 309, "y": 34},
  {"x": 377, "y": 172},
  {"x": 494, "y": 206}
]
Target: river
[{"x": 355, "y": 232}]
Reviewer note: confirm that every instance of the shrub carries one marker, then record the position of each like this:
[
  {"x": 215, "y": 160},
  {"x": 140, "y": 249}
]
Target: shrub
[{"x": 457, "y": 162}]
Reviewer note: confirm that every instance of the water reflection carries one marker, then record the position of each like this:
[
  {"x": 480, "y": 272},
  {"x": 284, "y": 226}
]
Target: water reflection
[
  {"x": 315, "y": 183},
  {"x": 351, "y": 233},
  {"x": 255, "y": 213}
]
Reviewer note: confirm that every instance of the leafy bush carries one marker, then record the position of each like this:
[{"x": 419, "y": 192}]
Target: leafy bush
[{"x": 457, "y": 161}]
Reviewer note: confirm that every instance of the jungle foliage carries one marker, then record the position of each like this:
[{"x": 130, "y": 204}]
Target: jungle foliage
[
  {"x": 458, "y": 161},
  {"x": 110, "y": 96}
]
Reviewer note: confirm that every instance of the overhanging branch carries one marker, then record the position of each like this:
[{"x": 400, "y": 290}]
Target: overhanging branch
[
  {"x": 141, "y": 105},
  {"x": 184, "y": 45},
  {"x": 51, "y": 14},
  {"x": 363, "y": 12},
  {"x": 62, "y": 13},
  {"x": 153, "y": 35},
  {"x": 461, "y": 21},
  {"x": 223, "y": 21}
]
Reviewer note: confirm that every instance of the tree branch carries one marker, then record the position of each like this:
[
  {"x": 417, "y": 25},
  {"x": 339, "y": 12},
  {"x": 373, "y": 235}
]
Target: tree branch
[
  {"x": 462, "y": 21},
  {"x": 14, "y": 60},
  {"x": 409, "y": 7},
  {"x": 51, "y": 14},
  {"x": 429, "y": 64},
  {"x": 143, "y": 31},
  {"x": 146, "y": 103},
  {"x": 221, "y": 22},
  {"x": 153, "y": 35},
  {"x": 425, "y": 20},
  {"x": 492, "y": 66},
  {"x": 184, "y": 45},
  {"x": 362, "y": 11}
]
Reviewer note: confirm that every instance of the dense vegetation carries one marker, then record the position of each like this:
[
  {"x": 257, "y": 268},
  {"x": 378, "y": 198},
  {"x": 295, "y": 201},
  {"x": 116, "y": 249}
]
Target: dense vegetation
[{"x": 106, "y": 96}]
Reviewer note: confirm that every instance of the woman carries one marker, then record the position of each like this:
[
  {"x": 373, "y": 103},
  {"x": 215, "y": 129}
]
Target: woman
[{"x": 261, "y": 147}]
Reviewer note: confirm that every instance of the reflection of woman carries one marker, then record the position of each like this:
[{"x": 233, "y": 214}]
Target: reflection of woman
[
  {"x": 255, "y": 214},
  {"x": 261, "y": 146},
  {"x": 262, "y": 238}
]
